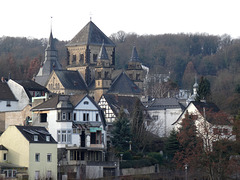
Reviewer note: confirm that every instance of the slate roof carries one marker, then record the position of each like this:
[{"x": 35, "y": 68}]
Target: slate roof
[
  {"x": 51, "y": 43},
  {"x": 211, "y": 111},
  {"x": 90, "y": 35},
  {"x": 6, "y": 93},
  {"x": 117, "y": 101},
  {"x": 71, "y": 79},
  {"x": 29, "y": 131},
  {"x": 30, "y": 85},
  {"x": 3, "y": 148},
  {"x": 73, "y": 99},
  {"x": 53, "y": 102},
  {"x": 103, "y": 53},
  {"x": 134, "y": 57},
  {"x": 123, "y": 85},
  {"x": 164, "y": 103}
]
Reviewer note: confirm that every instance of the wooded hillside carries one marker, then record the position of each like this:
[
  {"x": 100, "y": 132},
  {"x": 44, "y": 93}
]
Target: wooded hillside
[{"x": 183, "y": 55}]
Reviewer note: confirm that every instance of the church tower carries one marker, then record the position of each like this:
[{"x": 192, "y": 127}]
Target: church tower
[
  {"x": 83, "y": 49},
  {"x": 103, "y": 73},
  {"x": 135, "y": 70},
  {"x": 50, "y": 63}
]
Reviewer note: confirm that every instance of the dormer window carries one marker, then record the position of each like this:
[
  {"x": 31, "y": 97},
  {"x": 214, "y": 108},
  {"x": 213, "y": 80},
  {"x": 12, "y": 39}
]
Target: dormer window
[
  {"x": 35, "y": 137},
  {"x": 8, "y": 103},
  {"x": 47, "y": 138},
  {"x": 63, "y": 116},
  {"x": 85, "y": 102}
]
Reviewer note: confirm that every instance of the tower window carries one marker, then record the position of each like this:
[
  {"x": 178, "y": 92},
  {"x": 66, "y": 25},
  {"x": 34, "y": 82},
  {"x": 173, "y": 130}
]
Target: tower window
[
  {"x": 95, "y": 57},
  {"x": 74, "y": 59},
  {"x": 81, "y": 58}
]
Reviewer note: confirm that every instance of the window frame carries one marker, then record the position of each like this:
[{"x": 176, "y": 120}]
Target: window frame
[
  {"x": 37, "y": 157},
  {"x": 49, "y": 157}
]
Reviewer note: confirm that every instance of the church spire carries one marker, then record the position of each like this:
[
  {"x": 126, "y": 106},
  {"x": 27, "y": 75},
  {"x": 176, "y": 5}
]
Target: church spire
[
  {"x": 103, "y": 53},
  {"x": 195, "y": 86},
  {"x": 134, "y": 57}
]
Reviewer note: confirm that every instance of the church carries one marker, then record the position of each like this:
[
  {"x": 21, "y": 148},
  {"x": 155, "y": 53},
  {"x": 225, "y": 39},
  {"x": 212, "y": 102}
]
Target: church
[{"x": 90, "y": 67}]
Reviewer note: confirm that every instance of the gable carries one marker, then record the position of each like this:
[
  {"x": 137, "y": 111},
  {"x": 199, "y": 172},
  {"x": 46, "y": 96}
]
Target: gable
[
  {"x": 86, "y": 104},
  {"x": 53, "y": 81}
]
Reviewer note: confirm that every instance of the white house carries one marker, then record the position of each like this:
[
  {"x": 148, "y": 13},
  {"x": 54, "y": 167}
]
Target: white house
[
  {"x": 16, "y": 98},
  {"x": 164, "y": 112},
  {"x": 78, "y": 125},
  {"x": 212, "y": 124}
]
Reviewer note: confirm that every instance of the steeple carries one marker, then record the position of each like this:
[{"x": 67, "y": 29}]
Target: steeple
[
  {"x": 50, "y": 63},
  {"x": 51, "y": 43},
  {"x": 103, "y": 53},
  {"x": 134, "y": 57},
  {"x": 195, "y": 86}
]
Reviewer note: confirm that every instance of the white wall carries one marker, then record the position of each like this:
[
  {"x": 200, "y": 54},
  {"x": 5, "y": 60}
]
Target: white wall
[
  {"x": 163, "y": 125},
  {"x": 19, "y": 93},
  {"x": 5, "y": 108}
]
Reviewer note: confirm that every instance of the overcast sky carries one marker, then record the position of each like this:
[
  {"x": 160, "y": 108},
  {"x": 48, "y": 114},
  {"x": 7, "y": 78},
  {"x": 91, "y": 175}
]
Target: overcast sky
[{"x": 32, "y": 18}]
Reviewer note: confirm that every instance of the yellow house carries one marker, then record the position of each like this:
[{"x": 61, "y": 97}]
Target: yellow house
[{"x": 31, "y": 147}]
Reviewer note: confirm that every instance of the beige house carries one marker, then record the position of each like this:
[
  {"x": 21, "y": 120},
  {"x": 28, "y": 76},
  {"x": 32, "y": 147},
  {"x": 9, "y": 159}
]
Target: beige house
[{"x": 32, "y": 149}]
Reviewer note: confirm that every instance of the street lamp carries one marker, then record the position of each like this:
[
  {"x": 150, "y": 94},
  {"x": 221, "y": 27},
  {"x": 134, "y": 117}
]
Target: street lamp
[
  {"x": 186, "y": 175},
  {"x": 130, "y": 145}
]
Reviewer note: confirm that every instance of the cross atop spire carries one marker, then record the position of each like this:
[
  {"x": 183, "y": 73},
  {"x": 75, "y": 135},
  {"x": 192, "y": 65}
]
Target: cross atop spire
[{"x": 90, "y": 14}]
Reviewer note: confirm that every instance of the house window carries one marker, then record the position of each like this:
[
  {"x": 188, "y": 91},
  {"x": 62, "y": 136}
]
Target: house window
[
  {"x": 96, "y": 117},
  {"x": 85, "y": 117},
  {"x": 82, "y": 156},
  {"x": 37, "y": 175},
  {"x": 64, "y": 136},
  {"x": 35, "y": 137},
  {"x": 59, "y": 136},
  {"x": 69, "y": 135},
  {"x": 74, "y": 155},
  {"x": 74, "y": 116},
  {"x": 49, "y": 157},
  {"x": 69, "y": 116},
  {"x": 49, "y": 174},
  {"x": 5, "y": 156},
  {"x": 155, "y": 117},
  {"x": 64, "y": 116},
  {"x": 85, "y": 102},
  {"x": 37, "y": 157},
  {"x": 8, "y": 103},
  {"x": 47, "y": 138},
  {"x": 43, "y": 117},
  {"x": 9, "y": 173}
]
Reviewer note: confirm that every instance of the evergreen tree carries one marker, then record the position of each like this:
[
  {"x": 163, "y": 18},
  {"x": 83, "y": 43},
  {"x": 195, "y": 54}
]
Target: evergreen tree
[
  {"x": 204, "y": 90},
  {"x": 138, "y": 128},
  {"x": 172, "y": 145},
  {"x": 121, "y": 134},
  {"x": 190, "y": 145}
]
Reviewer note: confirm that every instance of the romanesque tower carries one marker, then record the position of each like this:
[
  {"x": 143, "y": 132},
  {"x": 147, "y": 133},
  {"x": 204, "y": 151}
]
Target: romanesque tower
[
  {"x": 83, "y": 49},
  {"x": 103, "y": 73},
  {"x": 135, "y": 70}
]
